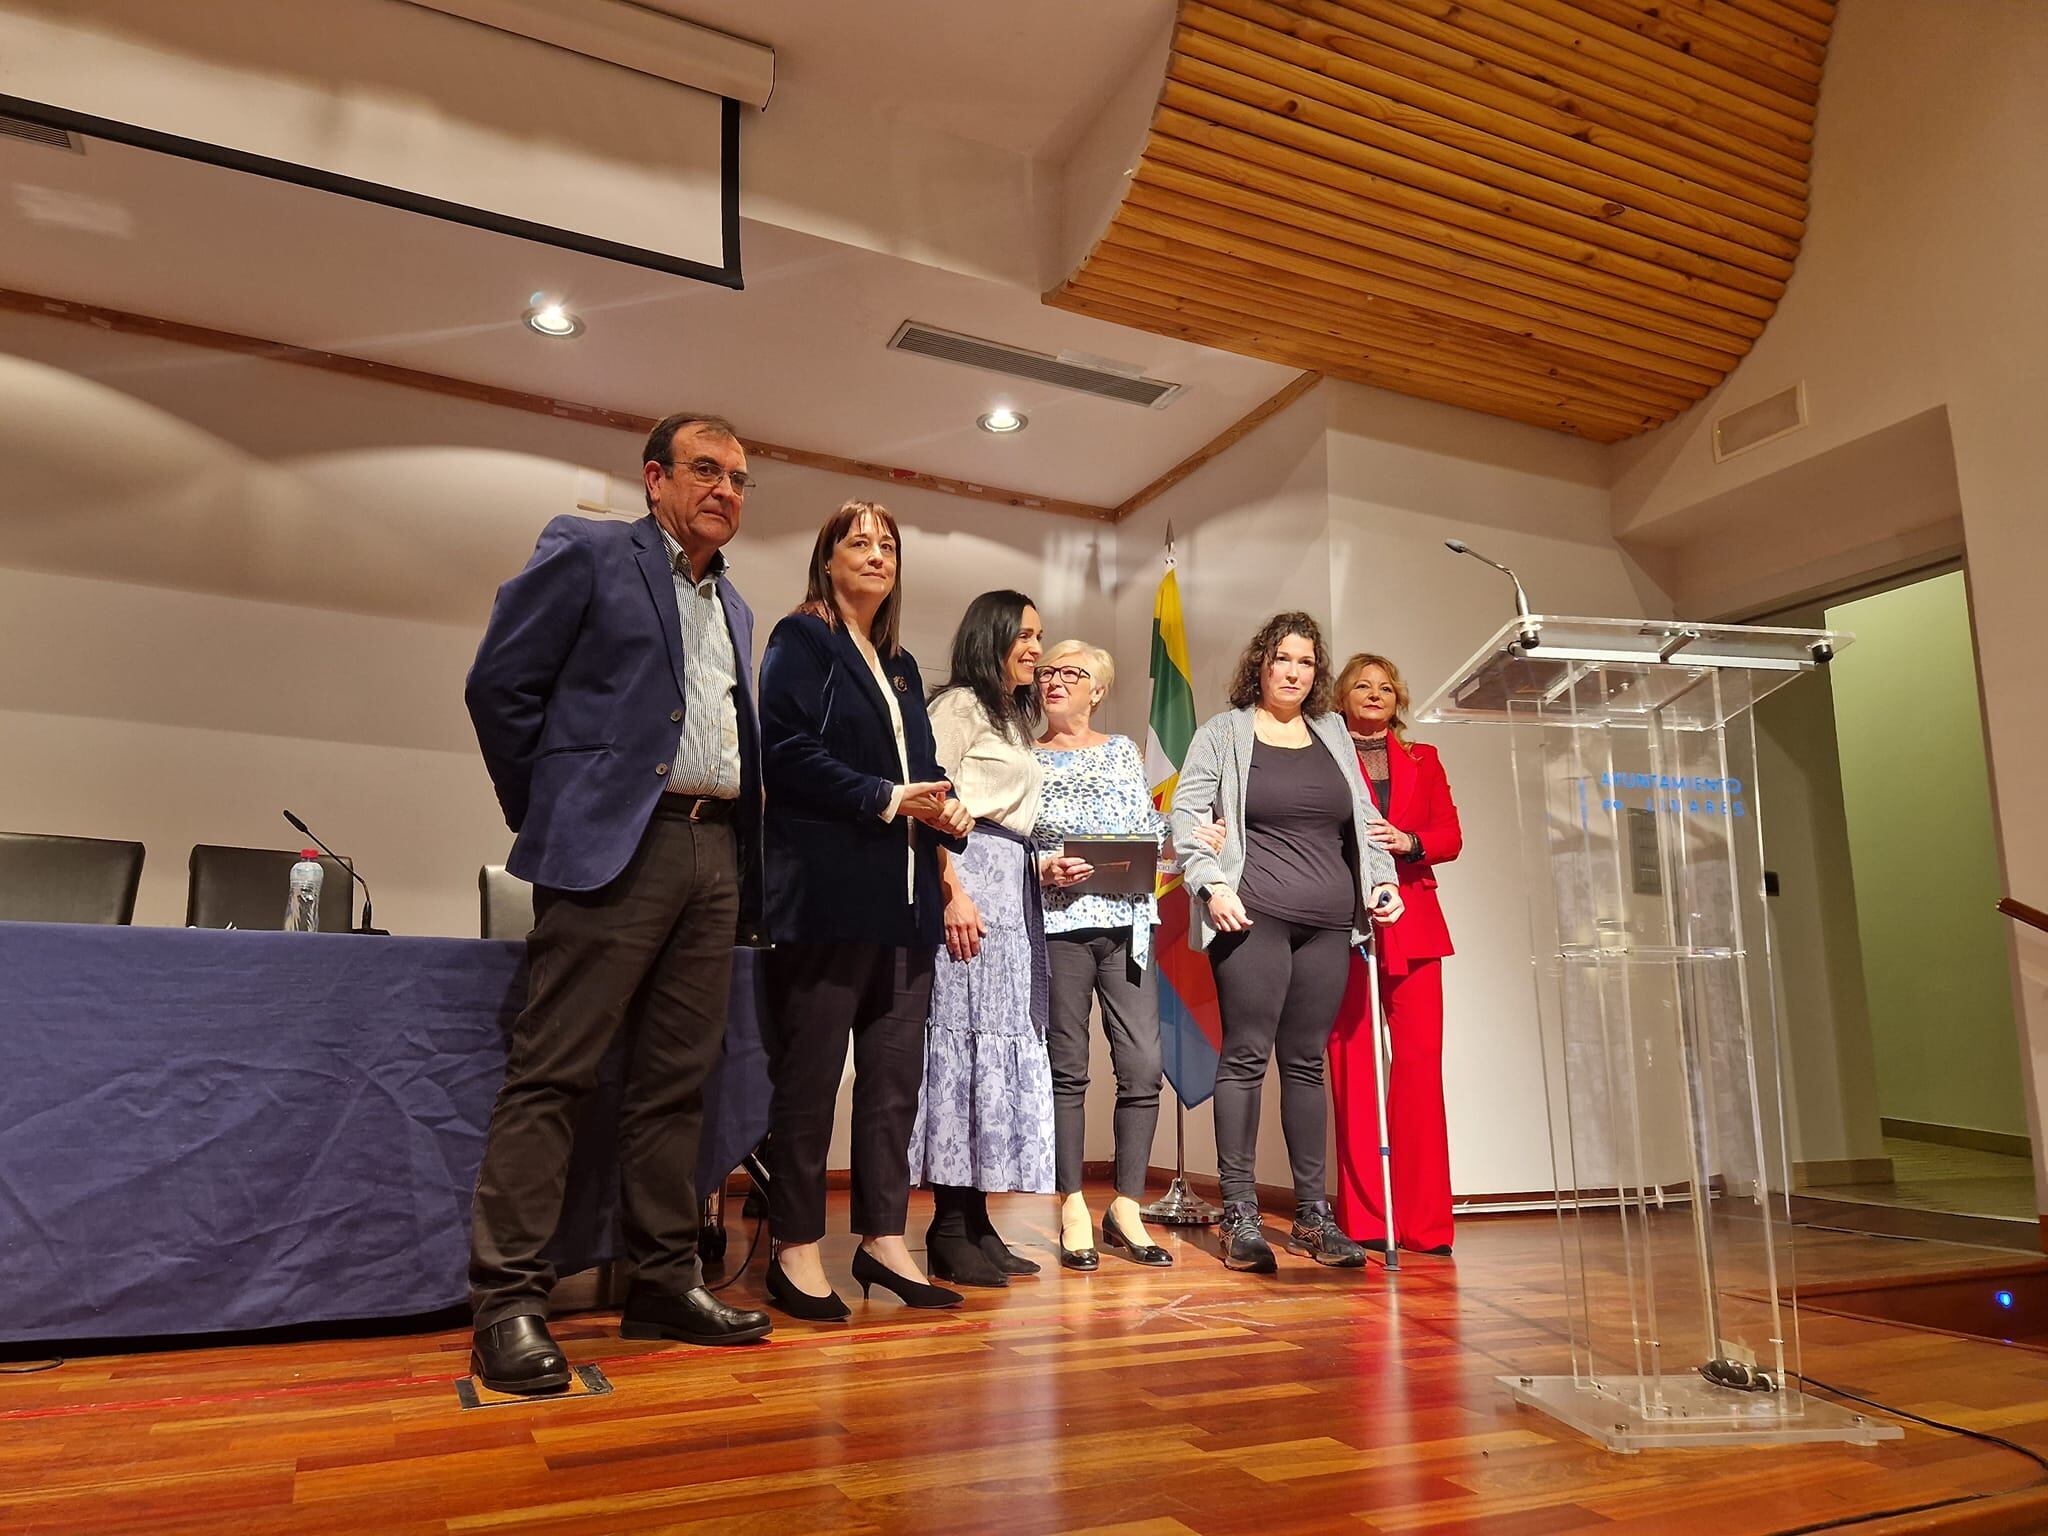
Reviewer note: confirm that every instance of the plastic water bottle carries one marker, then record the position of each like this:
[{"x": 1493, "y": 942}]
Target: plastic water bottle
[{"x": 302, "y": 910}]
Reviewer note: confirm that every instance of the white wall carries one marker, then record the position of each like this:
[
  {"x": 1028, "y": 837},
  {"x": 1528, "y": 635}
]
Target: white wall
[
  {"x": 1824, "y": 1013},
  {"x": 229, "y": 585},
  {"x": 1340, "y": 506},
  {"x": 1917, "y": 291},
  {"x": 1251, "y": 537},
  {"x": 1404, "y": 476}
]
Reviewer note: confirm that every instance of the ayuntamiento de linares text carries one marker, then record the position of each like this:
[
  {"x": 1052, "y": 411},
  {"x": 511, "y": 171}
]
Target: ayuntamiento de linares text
[{"x": 1676, "y": 794}]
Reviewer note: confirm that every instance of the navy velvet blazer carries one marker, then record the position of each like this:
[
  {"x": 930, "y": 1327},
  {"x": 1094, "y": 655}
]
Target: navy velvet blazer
[
  {"x": 833, "y": 868},
  {"x": 576, "y": 695}
]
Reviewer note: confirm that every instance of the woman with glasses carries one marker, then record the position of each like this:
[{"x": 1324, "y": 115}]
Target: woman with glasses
[
  {"x": 1278, "y": 910},
  {"x": 1099, "y": 947},
  {"x": 1421, "y": 831},
  {"x": 984, "y": 1119},
  {"x": 857, "y": 814}
]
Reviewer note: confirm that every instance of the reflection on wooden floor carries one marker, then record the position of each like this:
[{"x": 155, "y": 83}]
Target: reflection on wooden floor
[
  {"x": 1928, "y": 1176},
  {"x": 1142, "y": 1402}
]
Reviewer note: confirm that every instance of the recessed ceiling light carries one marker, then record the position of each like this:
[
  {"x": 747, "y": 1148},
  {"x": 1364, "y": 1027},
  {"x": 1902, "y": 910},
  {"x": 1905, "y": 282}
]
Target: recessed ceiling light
[
  {"x": 553, "y": 320},
  {"x": 1002, "y": 419}
]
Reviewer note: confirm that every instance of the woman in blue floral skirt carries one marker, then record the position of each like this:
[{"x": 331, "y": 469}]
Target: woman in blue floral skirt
[{"x": 984, "y": 1118}]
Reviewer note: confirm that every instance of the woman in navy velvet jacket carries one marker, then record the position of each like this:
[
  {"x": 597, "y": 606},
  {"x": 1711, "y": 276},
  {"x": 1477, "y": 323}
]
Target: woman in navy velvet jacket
[{"x": 857, "y": 808}]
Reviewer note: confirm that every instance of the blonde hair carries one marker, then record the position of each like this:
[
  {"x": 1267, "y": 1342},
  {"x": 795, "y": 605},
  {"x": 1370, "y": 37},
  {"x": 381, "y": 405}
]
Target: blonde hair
[
  {"x": 1348, "y": 679},
  {"x": 1096, "y": 661}
]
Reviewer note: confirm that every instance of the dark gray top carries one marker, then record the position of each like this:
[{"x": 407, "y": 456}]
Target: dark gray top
[{"x": 1297, "y": 811}]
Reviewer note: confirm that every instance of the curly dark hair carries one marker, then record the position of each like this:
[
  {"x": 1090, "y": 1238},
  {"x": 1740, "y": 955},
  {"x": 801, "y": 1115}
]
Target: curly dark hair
[{"x": 1251, "y": 665}]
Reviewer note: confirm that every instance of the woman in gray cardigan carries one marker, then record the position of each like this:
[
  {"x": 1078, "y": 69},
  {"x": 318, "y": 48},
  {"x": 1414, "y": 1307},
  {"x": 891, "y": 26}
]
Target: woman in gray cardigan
[{"x": 1278, "y": 908}]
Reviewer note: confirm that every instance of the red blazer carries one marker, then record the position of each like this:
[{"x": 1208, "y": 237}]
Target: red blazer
[{"x": 1419, "y": 802}]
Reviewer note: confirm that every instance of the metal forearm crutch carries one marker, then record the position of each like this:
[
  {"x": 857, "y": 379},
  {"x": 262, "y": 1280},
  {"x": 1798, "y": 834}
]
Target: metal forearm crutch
[{"x": 1382, "y": 1062}]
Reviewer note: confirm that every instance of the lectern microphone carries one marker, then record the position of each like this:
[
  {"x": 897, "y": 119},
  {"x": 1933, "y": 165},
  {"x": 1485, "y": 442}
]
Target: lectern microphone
[
  {"x": 1529, "y": 631},
  {"x": 359, "y": 880}
]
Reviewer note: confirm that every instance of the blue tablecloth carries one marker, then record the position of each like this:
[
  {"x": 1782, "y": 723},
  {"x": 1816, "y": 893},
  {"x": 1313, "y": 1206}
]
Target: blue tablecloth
[{"x": 205, "y": 1130}]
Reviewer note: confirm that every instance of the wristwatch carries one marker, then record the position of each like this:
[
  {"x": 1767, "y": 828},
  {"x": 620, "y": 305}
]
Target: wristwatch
[{"x": 1202, "y": 893}]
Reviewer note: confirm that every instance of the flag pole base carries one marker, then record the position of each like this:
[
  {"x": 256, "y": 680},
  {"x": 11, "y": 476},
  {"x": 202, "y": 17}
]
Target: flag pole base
[{"x": 1181, "y": 1207}]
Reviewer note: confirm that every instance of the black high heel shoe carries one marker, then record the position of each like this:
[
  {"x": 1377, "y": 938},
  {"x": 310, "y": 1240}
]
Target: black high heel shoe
[
  {"x": 1139, "y": 1253},
  {"x": 783, "y": 1291},
  {"x": 869, "y": 1270}
]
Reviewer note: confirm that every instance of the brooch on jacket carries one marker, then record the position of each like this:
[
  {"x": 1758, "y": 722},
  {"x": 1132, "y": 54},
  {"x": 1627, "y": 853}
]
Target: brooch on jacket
[{"x": 901, "y": 686}]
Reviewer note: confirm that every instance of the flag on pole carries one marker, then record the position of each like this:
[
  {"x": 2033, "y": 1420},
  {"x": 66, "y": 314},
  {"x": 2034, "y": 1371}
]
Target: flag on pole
[{"x": 1190, "y": 1029}]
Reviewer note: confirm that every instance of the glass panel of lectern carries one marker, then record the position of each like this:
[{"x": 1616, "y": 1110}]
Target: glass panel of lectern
[{"x": 1634, "y": 760}]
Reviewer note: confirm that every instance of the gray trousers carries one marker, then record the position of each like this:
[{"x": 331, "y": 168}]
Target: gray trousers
[
  {"x": 1097, "y": 963},
  {"x": 1278, "y": 987}
]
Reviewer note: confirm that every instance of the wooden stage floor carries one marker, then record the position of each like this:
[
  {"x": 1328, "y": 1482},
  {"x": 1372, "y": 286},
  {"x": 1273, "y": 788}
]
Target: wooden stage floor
[{"x": 1139, "y": 1402}]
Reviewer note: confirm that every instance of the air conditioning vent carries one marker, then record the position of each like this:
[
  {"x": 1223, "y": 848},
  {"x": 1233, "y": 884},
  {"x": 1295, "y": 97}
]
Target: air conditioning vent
[
  {"x": 1040, "y": 367},
  {"x": 1765, "y": 422},
  {"x": 40, "y": 133}
]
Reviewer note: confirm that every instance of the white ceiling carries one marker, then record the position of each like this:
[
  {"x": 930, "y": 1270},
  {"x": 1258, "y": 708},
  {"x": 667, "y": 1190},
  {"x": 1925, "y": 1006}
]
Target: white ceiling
[
  {"x": 799, "y": 357},
  {"x": 1025, "y": 76}
]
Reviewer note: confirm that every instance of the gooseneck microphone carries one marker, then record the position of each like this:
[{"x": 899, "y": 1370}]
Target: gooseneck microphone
[
  {"x": 1529, "y": 631},
  {"x": 359, "y": 880}
]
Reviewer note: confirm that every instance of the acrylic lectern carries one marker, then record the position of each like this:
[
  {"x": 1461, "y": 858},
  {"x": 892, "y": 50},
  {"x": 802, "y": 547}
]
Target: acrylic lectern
[{"x": 1634, "y": 758}]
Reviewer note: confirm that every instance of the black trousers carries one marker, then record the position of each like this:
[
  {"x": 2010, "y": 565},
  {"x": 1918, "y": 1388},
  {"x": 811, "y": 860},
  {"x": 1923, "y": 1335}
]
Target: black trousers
[
  {"x": 819, "y": 996},
  {"x": 651, "y": 953},
  {"x": 1278, "y": 986},
  {"x": 1086, "y": 965}
]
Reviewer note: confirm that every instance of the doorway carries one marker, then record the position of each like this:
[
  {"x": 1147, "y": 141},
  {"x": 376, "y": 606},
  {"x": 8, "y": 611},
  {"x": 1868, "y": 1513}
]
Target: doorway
[{"x": 1901, "y": 1049}]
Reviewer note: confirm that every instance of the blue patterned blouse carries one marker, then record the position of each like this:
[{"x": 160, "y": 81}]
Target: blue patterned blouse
[{"x": 1097, "y": 791}]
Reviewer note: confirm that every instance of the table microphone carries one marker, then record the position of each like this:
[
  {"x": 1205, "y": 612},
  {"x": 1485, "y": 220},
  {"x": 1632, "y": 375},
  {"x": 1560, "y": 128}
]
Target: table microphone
[
  {"x": 1529, "y": 630},
  {"x": 359, "y": 880}
]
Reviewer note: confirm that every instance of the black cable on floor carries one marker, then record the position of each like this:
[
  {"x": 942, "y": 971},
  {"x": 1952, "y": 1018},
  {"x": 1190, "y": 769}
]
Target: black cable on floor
[
  {"x": 32, "y": 1367},
  {"x": 753, "y": 1247},
  {"x": 1844, "y": 1522}
]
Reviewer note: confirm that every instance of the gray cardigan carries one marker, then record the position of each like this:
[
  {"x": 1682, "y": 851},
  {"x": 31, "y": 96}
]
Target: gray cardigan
[{"x": 1212, "y": 784}]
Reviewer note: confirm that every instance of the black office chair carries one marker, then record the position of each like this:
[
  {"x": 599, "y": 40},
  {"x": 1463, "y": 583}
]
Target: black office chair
[
  {"x": 506, "y": 902},
  {"x": 249, "y": 888},
  {"x": 49, "y": 879}
]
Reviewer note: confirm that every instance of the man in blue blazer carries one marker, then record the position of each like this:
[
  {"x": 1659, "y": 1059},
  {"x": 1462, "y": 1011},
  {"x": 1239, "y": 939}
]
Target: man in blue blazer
[{"x": 612, "y": 701}]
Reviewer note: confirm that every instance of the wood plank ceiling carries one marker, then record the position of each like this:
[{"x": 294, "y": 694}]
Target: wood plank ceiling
[{"x": 1576, "y": 213}]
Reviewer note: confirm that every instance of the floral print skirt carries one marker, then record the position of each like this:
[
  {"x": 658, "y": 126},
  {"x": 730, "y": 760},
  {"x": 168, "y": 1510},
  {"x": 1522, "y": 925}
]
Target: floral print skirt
[{"x": 984, "y": 1114}]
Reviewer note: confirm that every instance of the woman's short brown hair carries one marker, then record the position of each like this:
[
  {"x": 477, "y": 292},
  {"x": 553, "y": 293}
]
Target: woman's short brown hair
[
  {"x": 1244, "y": 684},
  {"x": 819, "y": 601},
  {"x": 1355, "y": 668}
]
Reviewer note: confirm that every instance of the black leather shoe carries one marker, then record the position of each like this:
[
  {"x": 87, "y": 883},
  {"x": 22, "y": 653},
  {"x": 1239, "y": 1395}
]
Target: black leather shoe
[
  {"x": 1244, "y": 1241},
  {"x": 1315, "y": 1233},
  {"x": 1138, "y": 1253},
  {"x": 519, "y": 1355},
  {"x": 782, "y": 1290},
  {"x": 695, "y": 1317}
]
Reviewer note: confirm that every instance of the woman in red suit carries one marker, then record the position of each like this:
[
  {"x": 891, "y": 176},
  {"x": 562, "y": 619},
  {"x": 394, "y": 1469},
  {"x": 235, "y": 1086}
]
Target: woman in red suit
[{"x": 1421, "y": 831}]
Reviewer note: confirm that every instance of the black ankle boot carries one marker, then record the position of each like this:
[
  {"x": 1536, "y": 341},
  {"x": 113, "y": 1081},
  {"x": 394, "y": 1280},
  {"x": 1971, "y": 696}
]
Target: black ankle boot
[
  {"x": 1316, "y": 1233},
  {"x": 1244, "y": 1241},
  {"x": 950, "y": 1250},
  {"x": 990, "y": 1241}
]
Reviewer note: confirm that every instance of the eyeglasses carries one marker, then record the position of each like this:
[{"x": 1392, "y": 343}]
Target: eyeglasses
[
  {"x": 710, "y": 472},
  {"x": 1068, "y": 675}
]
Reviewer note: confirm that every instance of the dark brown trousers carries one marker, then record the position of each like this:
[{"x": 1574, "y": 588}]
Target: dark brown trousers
[{"x": 651, "y": 953}]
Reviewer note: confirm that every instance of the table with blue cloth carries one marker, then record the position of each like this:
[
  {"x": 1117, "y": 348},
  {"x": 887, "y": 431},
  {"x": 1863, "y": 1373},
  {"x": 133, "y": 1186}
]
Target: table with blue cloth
[{"x": 206, "y": 1130}]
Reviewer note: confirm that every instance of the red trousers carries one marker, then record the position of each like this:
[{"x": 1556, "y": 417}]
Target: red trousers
[{"x": 1413, "y": 1006}]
